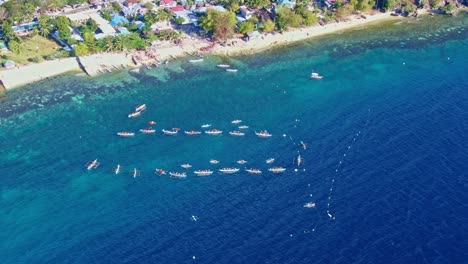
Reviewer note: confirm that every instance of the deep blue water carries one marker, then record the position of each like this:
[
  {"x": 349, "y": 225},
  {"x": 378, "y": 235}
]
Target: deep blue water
[{"x": 392, "y": 109}]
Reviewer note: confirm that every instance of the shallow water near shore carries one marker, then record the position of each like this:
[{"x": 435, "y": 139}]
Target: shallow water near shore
[{"x": 387, "y": 126}]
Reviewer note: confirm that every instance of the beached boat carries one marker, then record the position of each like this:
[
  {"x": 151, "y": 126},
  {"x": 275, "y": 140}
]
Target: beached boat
[
  {"x": 140, "y": 108},
  {"x": 237, "y": 121},
  {"x": 214, "y": 132},
  {"x": 309, "y": 205},
  {"x": 126, "y": 134},
  {"x": 231, "y": 70},
  {"x": 148, "y": 131},
  {"x": 186, "y": 166},
  {"x": 117, "y": 169},
  {"x": 151, "y": 123},
  {"x": 92, "y": 164},
  {"x": 263, "y": 134},
  {"x": 108, "y": 70},
  {"x": 203, "y": 172},
  {"x": 241, "y": 161},
  {"x": 179, "y": 175},
  {"x": 166, "y": 62},
  {"x": 160, "y": 172},
  {"x": 173, "y": 57},
  {"x": 316, "y": 76},
  {"x": 223, "y": 65},
  {"x": 195, "y": 60},
  {"x": 171, "y": 132},
  {"x": 277, "y": 169},
  {"x": 135, "y": 70},
  {"x": 243, "y": 127},
  {"x": 205, "y": 125},
  {"x": 213, "y": 161},
  {"x": 254, "y": 171},
  {"x": 270, "y": 160},
  {"x": 134, "y": 114},
  {"x": 135, "y": 173},
  {"x": 192, "y": 132},
  {"x": 229, "y": 170},
  {"x": 236, "y": 133}
]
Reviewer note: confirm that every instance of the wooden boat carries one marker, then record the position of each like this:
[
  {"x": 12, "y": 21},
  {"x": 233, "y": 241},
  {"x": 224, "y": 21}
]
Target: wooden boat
[
  {"x": 148, "y": 131},
  {"x": 237, "y": 133},
  {"x": 179, "y": 175},
  {"x": 214, "y": 132},
  {"x": 263, "y": 134},
  {"x": 192, "y": 132},
  {"x": 134, "y": 114},
  {"x": 140, "y": 108},
  {"x": 254, "y": 171},
  {"x": 237, "y": 121},
  {"x": 277, "y": 169},
  {"x": 171, "y": 132},
  {"x": 92, "y": 164},
  {"x": 316, "y": 76},
  {"x": 223, "y": 65},
  {"x": 195, "y": 60},
  {"x": 229, "y": 170},
  {"x": 160, "y": 171},
  {"x": 203, "y": 172}
]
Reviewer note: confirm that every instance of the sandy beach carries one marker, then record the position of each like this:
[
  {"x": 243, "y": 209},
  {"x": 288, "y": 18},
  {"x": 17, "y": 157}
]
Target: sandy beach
[{"x": 97, "y": 63}]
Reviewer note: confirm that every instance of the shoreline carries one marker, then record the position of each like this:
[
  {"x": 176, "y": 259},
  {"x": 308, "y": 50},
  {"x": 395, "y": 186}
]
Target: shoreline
[{"x": 93, "y": 64}]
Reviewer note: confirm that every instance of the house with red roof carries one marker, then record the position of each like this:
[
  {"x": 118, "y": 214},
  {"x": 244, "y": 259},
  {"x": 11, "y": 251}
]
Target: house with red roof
[{"x": 167, "y": 3}]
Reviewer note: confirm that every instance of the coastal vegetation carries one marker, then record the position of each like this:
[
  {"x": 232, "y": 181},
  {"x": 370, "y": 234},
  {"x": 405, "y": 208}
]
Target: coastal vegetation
[{"x": 137, "y": 24}]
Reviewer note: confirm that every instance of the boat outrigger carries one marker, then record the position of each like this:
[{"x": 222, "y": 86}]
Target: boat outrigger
[
  {"x": 134, "y": 114},
  {"x": 186, "y": 166},
  {"x": 171, "y": 132},
  {"x": 316, "y": 76},
  {"x": 135, "y": 173},
  {"x": 126, "y": 134},
  {"x": 214, "y": 132},
  {"x": 229, "y": 170},
  {"x": 241, "y": 162},
  {"x": 148, "y": 131},
  {"x": 178, "y": 175},
  {"x": 277, "y": 169},
  {"x": 160, "y": 172},
  {"x": 117, "y": 169},
  {"x": 254, "y": 171},
  {"x": 140, "y": 108},
  {"x": 263, "y": 134},
  {"x": 192, "y": 132},
  {"x": 309, "y": 205},
  {"x": 237, "y": 133},
  {"x": 92, "y": 164},
  {"x": 203, "y": 172}
]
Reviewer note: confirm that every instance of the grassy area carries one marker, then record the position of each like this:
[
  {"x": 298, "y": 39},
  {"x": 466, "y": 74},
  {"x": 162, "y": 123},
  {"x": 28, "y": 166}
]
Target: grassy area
[{"x": 36, "y": 46}]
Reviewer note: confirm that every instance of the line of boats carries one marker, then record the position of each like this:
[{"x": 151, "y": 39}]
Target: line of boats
[
  {"x": 227, "y": 67},
  {"x": 212, "y": 132}
]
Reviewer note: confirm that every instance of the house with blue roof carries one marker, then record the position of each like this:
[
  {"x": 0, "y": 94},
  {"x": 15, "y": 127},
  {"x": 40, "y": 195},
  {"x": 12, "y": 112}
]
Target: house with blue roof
[
  {"x": 118, "y": 20},
  {"x": 286, "y": 2}
]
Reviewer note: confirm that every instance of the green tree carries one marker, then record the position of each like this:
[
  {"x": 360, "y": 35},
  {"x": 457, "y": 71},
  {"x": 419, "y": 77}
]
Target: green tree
[
  {"x": 257, "y": 3},
  {"x": 435, "y": 3},
  {"x": 344, "y": 11},
  {"x": 16, "y": 45},
  {"x": 268, "y": 26},
  {"x": 76, "y": 2},
  {"x": 92, "y": 25},
  {"x": 89, "y": 40},
  {"x": 149, "y": 18},
  {"x": 62, "y": 23},
  {"x": 81, "y": 49},
  {"x": 365, "y": 5},
  {"x": 7, "y": 28},
  {"x": 109, "y": 44},
  {"x": 4, "y": 14},
  {"x": 207, "y": 21},
  {"x": 246, "y": 27},
  {"x": 44, "y": 25},
  {"x": 220, "y": 24},
  {"x": 449, "y": 8},
  {"x": 391, "y": 4},
  {"x": 164, "y": 15},
  {"x": 309, "y": 18},
  {"x": 149, "y": 5},
  {"x": 179, "y": 20},
  {"x": 287, "y": 18},
  {"x": 234, "y": 7},
  {"x": 409, "y": 7},
  {"x": 116, "y": 7},
  {"x": 106, "y": 14}
]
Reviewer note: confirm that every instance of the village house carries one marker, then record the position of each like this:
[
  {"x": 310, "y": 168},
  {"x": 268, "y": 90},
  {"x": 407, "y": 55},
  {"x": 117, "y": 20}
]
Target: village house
[
  {"x": 180, "y": 12},
  {"x": 167, "y": 3}
]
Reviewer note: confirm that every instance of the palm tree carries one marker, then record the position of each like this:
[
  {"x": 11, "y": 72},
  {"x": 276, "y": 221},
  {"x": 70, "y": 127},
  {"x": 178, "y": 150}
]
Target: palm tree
[
  {"x": 16, "y": 46},
  {"x": 119, "y": 43},
  {"x": 109, "y": 44}
]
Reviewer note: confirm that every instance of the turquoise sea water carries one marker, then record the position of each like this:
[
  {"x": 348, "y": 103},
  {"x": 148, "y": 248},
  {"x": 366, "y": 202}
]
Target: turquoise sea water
[{"x": 386, "y": 130}]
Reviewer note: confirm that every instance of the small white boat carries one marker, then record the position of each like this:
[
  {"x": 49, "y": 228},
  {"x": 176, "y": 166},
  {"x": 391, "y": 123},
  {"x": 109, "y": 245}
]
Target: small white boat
[
  {"x": 134, "y": 114},
  {"x": 140, "y": 108},
  {"x": 309, "y": 205},
  {"x": 303, "y": 145},
  {"x": 231, "y": 70},
  {"x": 192, "y": 132},
  {"x": 241, "y": 162},
  {"x": 237, "y": 133},
  {"x": 243, "y": 127},
  {"x": 223, "y": 65},
  {"x": 92, "y": 164},
  {"x": 229, "y": 170},
  {"x": 195, "y": 60},
  {"x": 151, "y": 122},
  {"x": 277, "y": 169},
  {"x": 117, "y": 169},
  {"x": 203, "y": 172},
  {"x": 148, "y": 131},
  {"x": 316, "y": 76},
  {"x": 270, "y": 160},
  {"x": 179, "y": 175},
  {"x": 299, "y": 160},
  {"x": 160, "y": 172},
  {"x": 126, "y": 134},
  {"x": 237, "y": 121},
  {"x": 254, "y": 171},
  {"x": 135, "y": 173},
  {"x": 263, "y": 134},
  {"x": 206, "y": 125},
  {"x": 186, "y": 166},
  {"x": 214, "y": 132},
  {"x": 171, "y": 132},
  {"x": 213, "y": 161}
]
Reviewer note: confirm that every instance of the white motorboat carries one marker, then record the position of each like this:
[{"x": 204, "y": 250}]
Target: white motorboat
[
  {"x": 171, "y": 132},
  {"x": 186, "y": 166},
  {"x": 316, "y": 76},
  {"x": 309, "y": 205},
  {"x": 192, "y": 132},
  {"x": 117, "y": 169},
  {"x": 126, "y": 134},
  {"x": 214, "y": 132},
  {"x": 237, "y": 133},
  {"x": 237, "y": 121},
  {"x": 263, "y": 134},
  {"x": 254, "y": 171},
  {"x": 241, "y": 162},
  {"x": 92, "y": 164},
  {"x": 135, "y": 173},
  {"x": 206, "y": 125},
  {"x": 160, "y": 172},
  {"x": 195, "y": 60},
  {"x": 134, "y": 114},
  {"x": 229, "y": 170},
  {"x": 179, "y": 175},
  {"x": 223, "y": 65},
  {"x": 231, "y": 70},
  {"x": 243, "y": 127},
  {"x": 140, "y": 108},
  {"x": 148, "y": 131},
  {"x": 270, "y": 160},
  {"x": 213, "y": 161}
]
